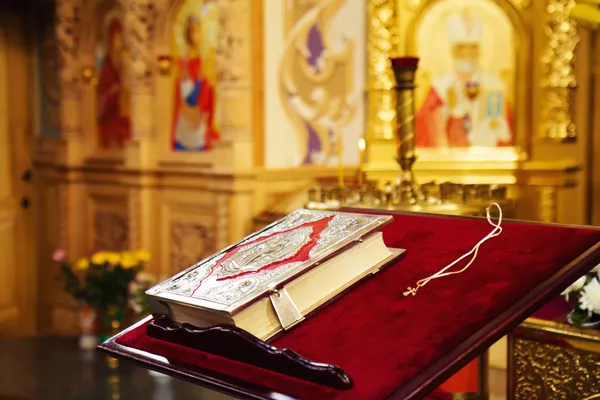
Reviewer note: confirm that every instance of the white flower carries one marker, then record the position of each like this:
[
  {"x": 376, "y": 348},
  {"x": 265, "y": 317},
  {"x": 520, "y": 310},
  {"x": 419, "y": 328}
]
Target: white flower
[
  {"x": 596, "y": 269},
  {"x": 590, "y": 297},
  {"x": 576, "y": 286}
]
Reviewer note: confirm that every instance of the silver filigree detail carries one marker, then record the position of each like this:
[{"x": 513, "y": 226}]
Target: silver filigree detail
[
  {"x": 204, "y": 282},
  {"x": 255, "y": 256},
  {"x": 340, "y": 227},
  {"x": 232, "y": 291},
  {"x": 293, "y": 220},
  {"x": 188, "y": 282}
]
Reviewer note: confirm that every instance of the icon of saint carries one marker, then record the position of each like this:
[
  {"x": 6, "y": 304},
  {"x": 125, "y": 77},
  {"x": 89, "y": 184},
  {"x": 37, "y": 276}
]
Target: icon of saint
[
  {"x": 114, "y": 127},
  {"x": 194, "y": 123},
  {"x": 467, "y": 106}
]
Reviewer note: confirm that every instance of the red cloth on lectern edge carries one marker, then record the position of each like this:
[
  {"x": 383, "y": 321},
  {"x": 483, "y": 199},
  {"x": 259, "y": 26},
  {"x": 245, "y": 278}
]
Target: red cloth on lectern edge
[{"x": 383, "y": 339}]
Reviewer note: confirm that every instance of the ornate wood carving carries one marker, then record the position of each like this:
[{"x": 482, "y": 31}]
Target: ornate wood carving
[
  {"x": 139, "y": 35},
  {"x": 67, "y": 39},
  {"x": 140, "y": 21},
  {"x": 233, "y": 50},
  {"x": 190, "y": 243},
  {"x": 558, "y": 81},
  {"x": 382, "y": 42},
  {"x": 545, "y": 371},
  {"x": 111, "y": 230}
]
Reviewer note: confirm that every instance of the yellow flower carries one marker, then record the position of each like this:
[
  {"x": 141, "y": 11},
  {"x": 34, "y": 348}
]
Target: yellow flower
[
  {"x": 99, "y": 258},
  {"x": 128, "y": 260},
  {"x": 113, "y": 258},
  {"x": 82, "y": 264},
  {"x": 143, "y": 255}
]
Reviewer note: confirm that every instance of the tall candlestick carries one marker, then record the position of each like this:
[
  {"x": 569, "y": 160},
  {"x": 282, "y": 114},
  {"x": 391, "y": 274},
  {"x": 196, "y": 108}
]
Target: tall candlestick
[
  {"x": 404, "y": 71},
  {"x": 361, "y": 160},
  {"x": 340, "y": 164}
]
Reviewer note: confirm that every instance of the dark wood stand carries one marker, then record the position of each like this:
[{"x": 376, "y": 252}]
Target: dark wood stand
[{"x": 237, "y": 344}]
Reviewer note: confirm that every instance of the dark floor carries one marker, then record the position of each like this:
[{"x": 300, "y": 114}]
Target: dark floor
[{"x": 56, "y": 369}]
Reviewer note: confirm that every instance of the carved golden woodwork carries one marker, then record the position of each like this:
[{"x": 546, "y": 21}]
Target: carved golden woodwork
[
  {"x": 530, "y": 163},
  {"x": 110, "y": 230},
  {"x": 558, "y": 80},
  {"x": 139, "y": 33},
  {"x": 190, "y": 242},
  {"x": 160, "y": 190},
  {"x": 382, "y": 41},
  {"x": 550, "y": 360},
  {"x": 132, "y": 198},
  {"x": 68, "y": 20},
  {"x": 67, "y": 26}
]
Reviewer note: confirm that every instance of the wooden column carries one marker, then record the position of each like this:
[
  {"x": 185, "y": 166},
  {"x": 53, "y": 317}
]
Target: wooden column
[
  {"x": 70, "y": 155},
  {"x": 140, "y": 154},
  {"x": 67, "y": 38},
  {"x": 235, "y": 67},
  {"x": 139, "y": 35},
  {"x": 382, "y": 27},
  {"x": 67, "y": 31}
]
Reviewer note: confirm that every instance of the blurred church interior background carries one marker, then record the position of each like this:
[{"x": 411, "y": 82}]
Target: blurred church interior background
[{"x": 161, "y": 131}]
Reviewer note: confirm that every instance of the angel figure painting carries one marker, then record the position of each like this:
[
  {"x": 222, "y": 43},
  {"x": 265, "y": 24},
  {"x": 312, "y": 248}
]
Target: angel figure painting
[
  {"x": 467, "y": 83},
  {"x": 113, "y": 121},
  {"x": 195, "y": 118},
  {"x": 321, "y": 73}
]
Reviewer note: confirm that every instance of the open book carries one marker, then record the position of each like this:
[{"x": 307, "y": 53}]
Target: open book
[{"x": 273, "y": 278}]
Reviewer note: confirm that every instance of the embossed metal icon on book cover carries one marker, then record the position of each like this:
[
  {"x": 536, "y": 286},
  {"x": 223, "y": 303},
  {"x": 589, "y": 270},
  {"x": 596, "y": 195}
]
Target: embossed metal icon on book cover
[{"x": 234, "y": 277}]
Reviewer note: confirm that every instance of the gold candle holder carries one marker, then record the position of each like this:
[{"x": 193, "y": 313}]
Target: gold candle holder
[
  {"x": 405, "y": 194},
  {"x": 405, "y": 69}
]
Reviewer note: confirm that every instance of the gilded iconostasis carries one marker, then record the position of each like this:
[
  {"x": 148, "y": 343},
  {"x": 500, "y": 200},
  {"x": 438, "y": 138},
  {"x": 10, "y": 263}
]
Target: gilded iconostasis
[
  {"x": 467, "y": 76},
  {"x": 171, "y": 124}
]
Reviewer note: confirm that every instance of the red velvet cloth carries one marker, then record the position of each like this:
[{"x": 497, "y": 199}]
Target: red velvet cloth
[{"x": 383, "y": 339}]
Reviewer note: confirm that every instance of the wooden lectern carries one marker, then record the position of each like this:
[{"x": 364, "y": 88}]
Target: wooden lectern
[{"x": 394, "y": 346}]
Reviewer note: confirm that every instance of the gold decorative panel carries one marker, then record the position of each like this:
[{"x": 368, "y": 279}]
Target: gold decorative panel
[
  {"x": 189, "y": 230},
  {"x": 558, "y": 80},
  {"x": 381, "y": 45},
  {"x": 190, "y": 243},
  {"x": 67, "y": 27},
  {"x": 139, "y": 29},
  {"x": 233, "y": 43},
  {"x": 110, "y": 230},
  {"x": 548, "y": 371}
]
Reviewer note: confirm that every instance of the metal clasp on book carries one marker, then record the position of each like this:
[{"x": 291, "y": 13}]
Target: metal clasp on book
[{"x": 285, "y": 308}]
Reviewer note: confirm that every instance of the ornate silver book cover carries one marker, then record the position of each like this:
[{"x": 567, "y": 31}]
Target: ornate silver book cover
[{"x": 251, "y": 268}]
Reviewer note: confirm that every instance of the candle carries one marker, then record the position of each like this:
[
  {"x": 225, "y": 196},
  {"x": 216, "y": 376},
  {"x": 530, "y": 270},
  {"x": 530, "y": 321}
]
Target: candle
[
  {"x": 361, "y": 160},
  {"x": 340, "y": 164}
]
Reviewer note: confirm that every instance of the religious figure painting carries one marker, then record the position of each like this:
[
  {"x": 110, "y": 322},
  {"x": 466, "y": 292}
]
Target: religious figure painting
[
  {"x": 195, "y": 103},
  {"x": 468, "y": 55},
  {"x": 112, "y": 91},
  {"x": 317, "y": 115}
]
